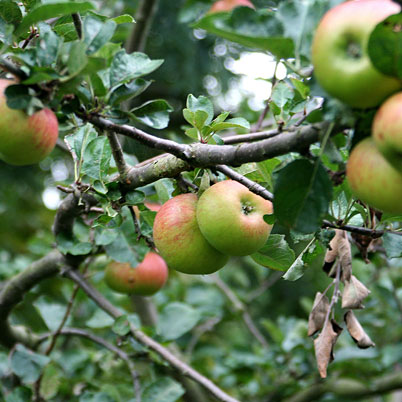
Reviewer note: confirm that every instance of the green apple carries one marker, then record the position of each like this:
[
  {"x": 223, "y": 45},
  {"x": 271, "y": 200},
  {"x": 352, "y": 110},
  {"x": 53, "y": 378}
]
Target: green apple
[
  {"x": 228, "y": 5},
  {"x": 230, "y": 217},
  {"x": 144, "y": 280},
  {"x": 339, "y": 53},
  {"x": 387, "y": 130},
  {"x": 179, "y": 240},
  {"x": 24, "y": 139},
  {"x": 373, "y": 179}
]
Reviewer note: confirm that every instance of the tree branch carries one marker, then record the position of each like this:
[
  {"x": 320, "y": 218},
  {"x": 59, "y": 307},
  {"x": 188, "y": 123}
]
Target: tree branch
[
  {"x": 373, "y": 233},
  {"x": 348, "y": 388},
  {"x": 180, "y": 366},
  {"x": 143, "y": 21},
  {"x": 118, "y": 156},
  {"x": 100, "y": 341},
  {"x": 77, "y": 24},
  {"x": 237, "y": 139},
  {"x": 12, "y": 69}
]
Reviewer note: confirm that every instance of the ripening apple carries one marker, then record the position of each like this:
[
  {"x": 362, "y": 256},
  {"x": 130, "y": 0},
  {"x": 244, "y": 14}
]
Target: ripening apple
[
  {"x": 230, "y": 217},
  {"x": 339, "y": 53},
  {"x": 144, "y": 280},
  {"x": 24, "y": 139},
  {"x": 373, "y": 179},
  {"x": 387, "y": 130},
  {"x": 179, "y": 240},
  {"x": 228, "y": 5}
]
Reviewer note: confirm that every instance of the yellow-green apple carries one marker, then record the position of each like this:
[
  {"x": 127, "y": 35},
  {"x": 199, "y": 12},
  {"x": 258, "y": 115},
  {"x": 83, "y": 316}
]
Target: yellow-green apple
[
  {"x": 179, "y": 240},
  {"x": 228, "y": 5},
  {"x": 24, "y": 139},
  {"x": 144, "y": 280},
  {"x": 387, "y": 130},
  {"x": 373, "y": 179},
  {"x": 339, "y": 53},
  {"x": 230, "y": 217}
]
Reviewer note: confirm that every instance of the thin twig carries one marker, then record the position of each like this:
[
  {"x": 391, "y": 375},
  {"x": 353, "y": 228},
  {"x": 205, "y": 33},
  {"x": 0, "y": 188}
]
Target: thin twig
[
  {"x": 144, "y": 339},
  {"x": 118, "y": 156},
  {"x": 77, "y": 24},
  {"x": 32, "y": 35},
  {"x": 335, "y": 295},
  {"x": 373, "y": 233},
  {"x": 262, "y": 135}
]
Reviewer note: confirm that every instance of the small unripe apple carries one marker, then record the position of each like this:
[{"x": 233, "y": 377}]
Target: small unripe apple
[
  {"x": 387, "y": 130},
  {"x": 230, "y": 217},
  {"x": 339, "y": 53},
  {"x": 24, "y": 139},
  {"x": 373, "y": 179},
  {"x": 179, "y": 240},
  {"x": 144, "y": 280},
  {"x": 228, "y": 5}
]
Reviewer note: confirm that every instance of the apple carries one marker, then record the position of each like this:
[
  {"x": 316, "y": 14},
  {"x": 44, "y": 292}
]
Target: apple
[
  {"x": 228, "y": 5},
  {"x": 144, "y": 280},
  {"x": 230, "y": 217},
  {"x": 179, "y": 240},
  {"x": 24, "y": 139},
  {"x": 339, "y": 53},
  {"x": 373, "y": 179},
  {"x": 387, "y": 130}
]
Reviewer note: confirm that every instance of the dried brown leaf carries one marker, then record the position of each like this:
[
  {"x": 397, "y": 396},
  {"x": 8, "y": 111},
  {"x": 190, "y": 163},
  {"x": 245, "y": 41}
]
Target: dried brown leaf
[
  {"x": 332, "y": 253},
  {"x": 356, "y": 331},
  {"x": 354, "y": 293},
  {"x": 324, "y": 346},
  {"x": 345, "y": 256},
  {"x": 318, "y": 313}
]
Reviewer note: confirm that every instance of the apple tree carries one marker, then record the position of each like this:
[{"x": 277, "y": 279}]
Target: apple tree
[{"x": 143, "y": 92}]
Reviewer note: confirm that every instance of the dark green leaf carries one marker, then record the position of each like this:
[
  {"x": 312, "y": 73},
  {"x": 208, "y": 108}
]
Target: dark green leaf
[
  {"x": 96, "y": 33},
  {"x": 6, "y": 31},
  {"x": 128, "y": 91},
  {"x": 276, "y": 254},
  {"x": 17, "y": 96},
  {"x": 19, "y": 394},
  {"x": 270, "y": 219},
  {"x": 154, "y": 113},
  {"x": 176, "y": 319},
  {"x": 135, "y": 197},
  {"x": 393, "y": 245},
  {"x": 46, "y": 11},
  {"x": 68, "y": 245},
  {"x": 10, "y": 12},
  {"x": 78, "y": 59},
  {"x": 385, "y": 46},
  {"x": 303, "y": 192},
  {"x": 164, "y": 389},
  {"x": 125, "y": 67},
  {"x": 49, "y": 42},
  {"x": 27, "y": 365}
]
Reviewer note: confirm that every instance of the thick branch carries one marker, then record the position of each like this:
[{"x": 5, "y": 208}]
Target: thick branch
[
  {"x": 348, "y": 388},
  {"x": 143, "y": 21},
  {"x": 14, "y": 292},
  {"x": 180, "y": 366},
  {"x": 237, "y": 139}
]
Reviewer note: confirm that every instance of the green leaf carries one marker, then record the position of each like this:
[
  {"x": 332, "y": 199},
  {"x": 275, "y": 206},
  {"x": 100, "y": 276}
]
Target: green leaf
[
  {"x": 201, "y": 103},
  {"x": 296, "y": 270},
  {"x": 88, "y": 396},
  {"x": 51, "y": 381},
  {"x": 49, "y": 43},
  {"x": 121, "y": 326},
  {"x": 18, "y": 96},
  {"x": 154, "y": 113},
  {"x": 104, "y": 236},
  {"x": 393, "y": 245},
  {"x": 176, "y": 319},
  {"x": 68, "y": 245},
  {"x": 301, "y": 87},
  {"x": 385, "y": 46},
  {"x": 51, "y": 312},
  {"x": 125, "y": 67},
  {"x": 100, "y": 320},
  {"x": 254, "y": 29},
  {"x": 6, "y": 32},
  {"x": 124, "y": 19},
  {"x": 303, "y": 192},
  {"x": 10, "y": 12},
  {"x": 200, "y": 119},
  {"x": 164, "y": 389},
  {"x": 135, "y": 197},
  {"x": 276, "y": 253},
  {"x": 128, "y": 91},
  {"x": 270, "y": 219},
  {"x": 281, "y": 94},
  {"x": 52, "y": 9},
  {"x": 164, "y": 188},
  {"x": 19, "y": 394},
  {"x": 96, "y": 33},
  {"x": 237, "y": 122},
  {"x": 27, "y": 365},
  {"x": 97, "y": 157},
  {"x": 78, "y": 58}
]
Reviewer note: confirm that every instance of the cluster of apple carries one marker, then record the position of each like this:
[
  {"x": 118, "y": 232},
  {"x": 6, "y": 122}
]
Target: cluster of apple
[
  {"x": 196, "y": 236},
  {"x": 24, "y": 139},
  {"x": 343, "y": 68}
]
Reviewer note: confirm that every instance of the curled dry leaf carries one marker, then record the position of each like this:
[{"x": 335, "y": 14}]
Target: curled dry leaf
[
  {"x": 339, "y": 247},
  {"x": 356, "y": 331},
  {"x": 354, "y": 293},
  {"x": 318, "y": 313},
  {"x": 324, "y": 346}
]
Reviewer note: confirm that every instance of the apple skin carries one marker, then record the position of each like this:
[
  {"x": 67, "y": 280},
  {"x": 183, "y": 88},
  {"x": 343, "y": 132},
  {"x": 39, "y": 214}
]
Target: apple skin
[
  {"x": 373, "y": 179},
  {"x": 230, "y": 217},
  {"x": 387, "y": 130},
  {"x": 179, "y": 240},
  {"x": 24, "y": 139},
  {"x": 343, "y": 74},
  {"x": 229, "y": 5},
  {"x": 146, "y": 279}
]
